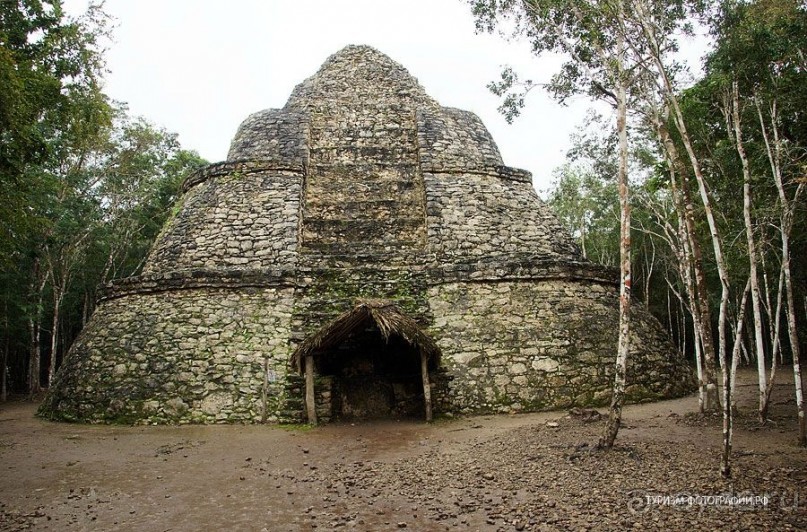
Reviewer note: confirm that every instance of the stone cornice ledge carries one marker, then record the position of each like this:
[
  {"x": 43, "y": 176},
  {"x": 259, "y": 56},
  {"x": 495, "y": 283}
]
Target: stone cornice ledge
[
  {"x": 502, "y": 172},
  {"x": 240, "y": 167},
  {"x": 522, "y": 268},
  {"x": 490, "y": 269},
  {"x": 194, "y": 279}
]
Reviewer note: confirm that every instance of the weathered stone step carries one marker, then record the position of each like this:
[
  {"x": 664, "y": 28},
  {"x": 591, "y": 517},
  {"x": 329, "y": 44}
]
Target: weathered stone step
[
  {"x": 339, "y": 256},
  {"x": 402, "y": 191},
  {"x": 381, "y": 187},
  {"x": 322, "y": 135},
  {"x": 358, "y": 168},
  {"x": 399, "y": 152},
  {"x": 380, "y": 209},
  {"x": 367, "y": 233}
]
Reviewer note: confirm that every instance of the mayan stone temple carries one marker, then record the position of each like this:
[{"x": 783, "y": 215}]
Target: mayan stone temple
[{"x": 363, "y": 252}]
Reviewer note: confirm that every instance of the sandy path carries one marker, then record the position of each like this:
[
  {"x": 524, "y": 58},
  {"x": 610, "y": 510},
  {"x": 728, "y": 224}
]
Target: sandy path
[{"x": 481, "y": 473}]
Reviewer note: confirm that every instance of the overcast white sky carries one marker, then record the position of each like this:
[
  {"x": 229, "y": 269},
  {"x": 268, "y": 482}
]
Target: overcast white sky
[{"x": 199, "y": 67}]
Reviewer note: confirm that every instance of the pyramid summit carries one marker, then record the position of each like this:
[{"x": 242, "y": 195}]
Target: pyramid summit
[{"x": 363, "y": 252}]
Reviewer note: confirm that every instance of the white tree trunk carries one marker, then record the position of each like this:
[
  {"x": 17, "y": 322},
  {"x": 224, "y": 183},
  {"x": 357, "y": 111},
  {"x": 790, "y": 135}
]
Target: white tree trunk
[
  {"x": 729, "y": 380},
  {"x": 56, "y": 323},
  {"x": 759, "y": 342},
  {"x": 774, "y": 327},
  {"x": 694, "y": 279},
  {"x": 786, "y": 224},
  {"x": 623, "y": 347},
  {"x": 34, "y": 326},
  {"x": 799, "y": 394}
]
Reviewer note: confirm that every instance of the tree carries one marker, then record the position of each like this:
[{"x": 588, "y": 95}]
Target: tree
[
  {"x": 584, "y": 195},
  {"x": 761, "y": 52},
  {"x": 594, "y": 37},
  {"x": 85, "y": 187},
  {"x": 50, "y": 99},
  {"x": 713, "y": 123},
  {"x": 707, "y": 152},
  {"x": 135, "y": 176},
  {"x": 53, "y": 113}
]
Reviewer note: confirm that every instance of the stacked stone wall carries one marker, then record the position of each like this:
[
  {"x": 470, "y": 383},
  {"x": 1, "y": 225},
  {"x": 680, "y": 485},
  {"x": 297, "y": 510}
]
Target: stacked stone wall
[
  {"x": 479, "y": 215},
  {"x": 185, "y": 356},
  {"x": 232, "y": 221},
  {"x": 516, "y": 346},
  {"x": 364, "y": 192},
  {"x": 279, "y": 135},
  {"x": 455, "y": 139},
  {"x": 359, "y": 74}
]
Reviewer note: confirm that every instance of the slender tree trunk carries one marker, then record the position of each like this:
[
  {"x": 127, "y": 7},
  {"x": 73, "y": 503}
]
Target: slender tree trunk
[
  {"x": 670, "y": 315},
  {"x": 583, "y": 236},
  {"x": 695, "y": 340},
  {"x": 59, "y": 291},
  {"x": 746, "y": 357},
  {"x": 799, "y": 394},
  {"x": 4, "y": 367},
  {"x": 678, "y": 239},
  {"x": 702, "y": 391},
  {"x": 669, "y": 94},
  {"x": 713, "y": 230},
  {"x": 759, "y": 343},
  {"x": 54, "y": 336},
  {"x": 649, "y": 273},
  {"x": 34, "y": 384},
  {"x": 86, "y": 309},
  {"x": 785, "y": 226},
  {"x": 794, "y": 342},
  {"x": 686, "y": 273},
  {"x": 686, "y": 266},
  {"x": 701, "y": 311},
  {"x": 774, "y": 319},
  {"x": 623, "y": 347},
  {"x": 729, "y": 379},
  {"x": 34, "y": 326}
]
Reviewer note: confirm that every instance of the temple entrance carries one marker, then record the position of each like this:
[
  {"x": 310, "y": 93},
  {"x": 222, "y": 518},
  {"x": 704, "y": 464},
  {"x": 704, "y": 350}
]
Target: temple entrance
[
  {"x": 373, "y": 377},
  {"x": 371, "y": 362}
]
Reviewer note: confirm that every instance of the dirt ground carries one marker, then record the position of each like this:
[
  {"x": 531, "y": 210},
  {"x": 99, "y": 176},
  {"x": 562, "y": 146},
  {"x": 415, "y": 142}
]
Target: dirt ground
[{"x": 525, "y": 472}]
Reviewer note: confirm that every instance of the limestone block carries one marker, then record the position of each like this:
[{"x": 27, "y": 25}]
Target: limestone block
[{"x": 546, "y": 364}]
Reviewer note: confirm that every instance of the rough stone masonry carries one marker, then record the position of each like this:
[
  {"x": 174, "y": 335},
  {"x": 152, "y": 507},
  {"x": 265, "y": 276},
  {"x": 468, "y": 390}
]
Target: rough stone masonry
[{"x": 362, "y": 186}]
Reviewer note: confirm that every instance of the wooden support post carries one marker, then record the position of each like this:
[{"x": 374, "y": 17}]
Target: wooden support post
[
  {"x": 264, "y": 397},
  {"x": 427, "y": 388},
  {"x": 310, "y": 404}
]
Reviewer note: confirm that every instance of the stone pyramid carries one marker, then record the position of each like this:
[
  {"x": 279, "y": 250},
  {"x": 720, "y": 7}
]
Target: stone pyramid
[{"x": 361, "y": 188}]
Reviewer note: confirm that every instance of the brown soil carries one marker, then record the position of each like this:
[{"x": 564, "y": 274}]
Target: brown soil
[{"x": 526, "y": 472}]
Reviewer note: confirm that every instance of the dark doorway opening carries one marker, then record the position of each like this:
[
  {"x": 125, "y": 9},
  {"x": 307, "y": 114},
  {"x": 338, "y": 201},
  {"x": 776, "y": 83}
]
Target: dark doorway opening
[
  {"x": 373, "y": 377},
  {"x": 367, "y": 360}
]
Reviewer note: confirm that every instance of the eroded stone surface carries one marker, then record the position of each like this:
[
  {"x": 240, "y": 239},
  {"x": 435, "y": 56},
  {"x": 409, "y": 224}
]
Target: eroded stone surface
[{"x": 362, "y": 186}]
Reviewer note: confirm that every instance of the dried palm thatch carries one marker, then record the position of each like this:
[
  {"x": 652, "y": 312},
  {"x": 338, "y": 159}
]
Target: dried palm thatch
[{"x": 384, "y": 314}]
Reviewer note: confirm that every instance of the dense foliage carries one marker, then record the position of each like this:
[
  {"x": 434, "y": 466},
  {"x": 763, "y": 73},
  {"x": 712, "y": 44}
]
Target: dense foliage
[{"x": 85, "y": 187}]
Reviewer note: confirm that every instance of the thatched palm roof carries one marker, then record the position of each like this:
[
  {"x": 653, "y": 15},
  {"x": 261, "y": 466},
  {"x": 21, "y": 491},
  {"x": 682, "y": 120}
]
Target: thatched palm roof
[{"x": 383, "y": 314}]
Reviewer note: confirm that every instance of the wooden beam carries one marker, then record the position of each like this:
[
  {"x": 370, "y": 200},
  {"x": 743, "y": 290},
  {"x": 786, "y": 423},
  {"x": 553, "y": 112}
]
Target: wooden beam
[
  {"x": 427, "y": 389},
  {"x": 310, "y": 404},
  {"x": 264, "y": 396}
]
